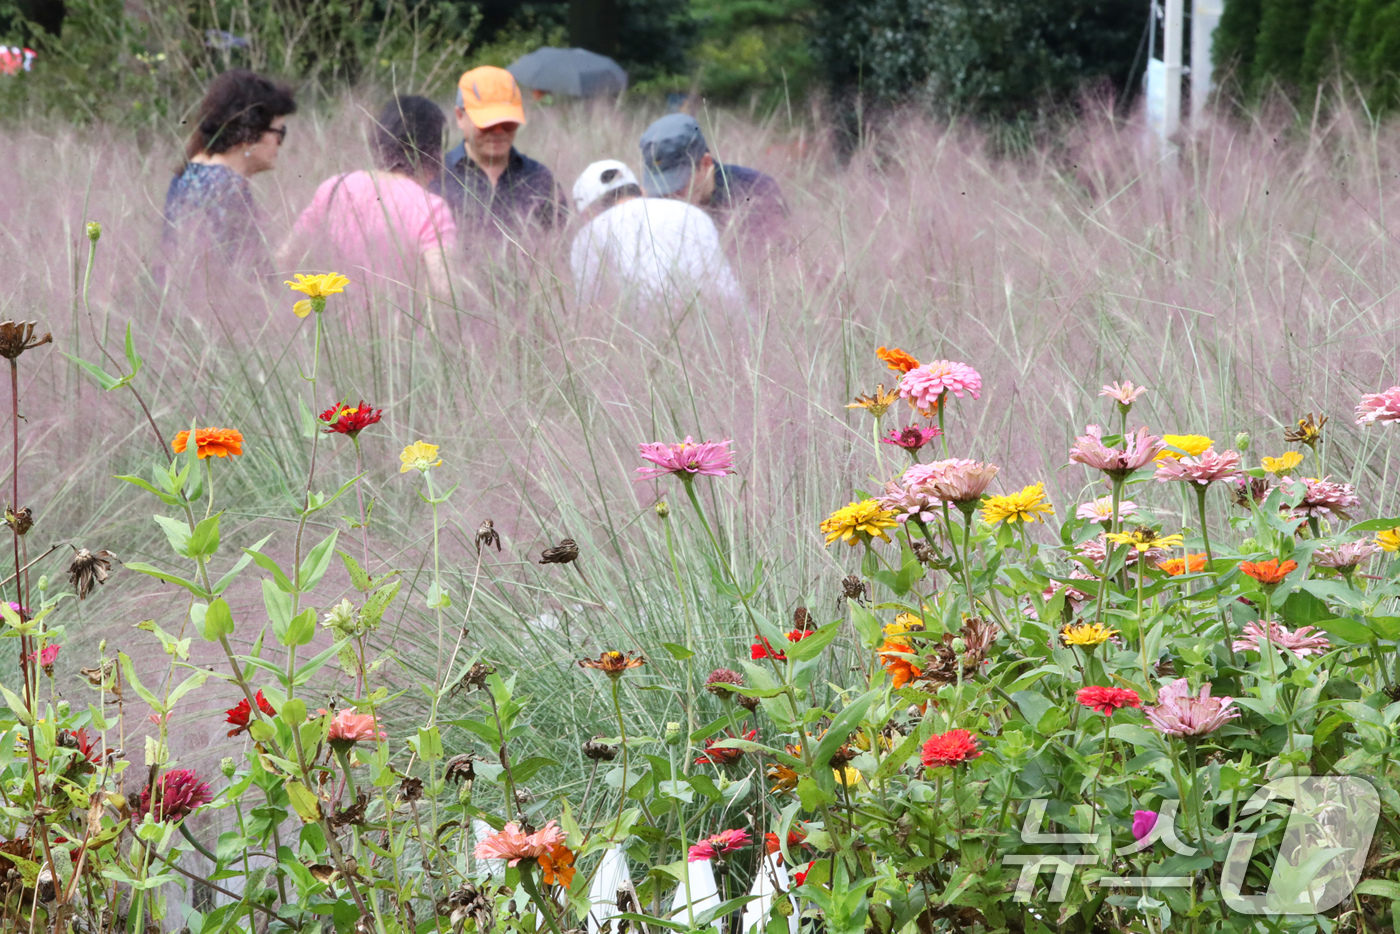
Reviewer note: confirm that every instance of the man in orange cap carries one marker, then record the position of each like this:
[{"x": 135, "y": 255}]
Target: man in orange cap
[{"x": 488, "y": 183}]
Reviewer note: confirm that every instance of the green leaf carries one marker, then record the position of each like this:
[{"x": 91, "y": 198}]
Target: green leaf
[
  {"x": 812, "y": 646},
  {"x": 100, "y": 376},
  {"x": 177, "y": 532},
  {"x": 359, "y": 578},
  {"x": 157, "y": 573},
  {"x": 679, "y": 652},
  {"x": 304, "y": 673},
  {"x": 163, "y": 496},
  {"x": 184, "y": 687},
  {"x": 222, "y": 584},
  {"x": 1343, "y": 628},
  {"x": 129, "y": 673},
  {"x": 133, "y": 358},
  {"x": 301, "y": 629},
  {"x": 430, "y": 745},
  {"x": 218, "y": 620},
  {"x": 16, "y": 703},
  {"x": 1382, "y": 888},
  {"x": 1373, "y": 525},
  {"x": 309, "y": 425},
  {"x": 205, "y": 539},
  {"x": 304, "y": 800},
  {"x": 314, "y": 565},
  {"x": 844, "y": 725},
  {"x": 271, "y": 566},
  {"x": 867, "y": 624}
]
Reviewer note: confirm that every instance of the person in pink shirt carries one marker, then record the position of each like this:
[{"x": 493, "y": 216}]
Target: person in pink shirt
[{"x": 385, "y": 222}]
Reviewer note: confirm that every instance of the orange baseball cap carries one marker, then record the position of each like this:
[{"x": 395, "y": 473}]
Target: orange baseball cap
[{"x": 491, "y": 96}]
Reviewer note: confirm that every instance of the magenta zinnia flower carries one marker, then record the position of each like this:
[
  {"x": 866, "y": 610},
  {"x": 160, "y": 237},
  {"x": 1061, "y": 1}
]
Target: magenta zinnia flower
[
  {"x": 1379, "y": 407},
  {"x": 178, "y": 793},
  {"x": 1300, "y": 641},
  {"x": 964, "y": 482},
  {"x": 1344, "y": 557},
  {"x": 720, "y": 844},
  {"x": 686, "y": 460},
  {"x": 1101, "y": 509},
  {"x": 1143, "y": 823},
  {"x": 1180, "y": 713},
  {"x": 1201, "y": 471},
  {"x": 926, "y": 383},
  {"x": 1138, "y": 450},
  {"x": 1125, "y": 393},
  {"x": 1322, "y": 498},
  {"x": 46, "y": 656},
  {"x": 911, "y": 438}
]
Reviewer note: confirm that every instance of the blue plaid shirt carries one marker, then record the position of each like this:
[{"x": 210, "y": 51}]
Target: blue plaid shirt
[{"x": 524, "y": 196}]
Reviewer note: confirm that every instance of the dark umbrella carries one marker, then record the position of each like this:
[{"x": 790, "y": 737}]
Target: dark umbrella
[{"x": 576, "y": 72}]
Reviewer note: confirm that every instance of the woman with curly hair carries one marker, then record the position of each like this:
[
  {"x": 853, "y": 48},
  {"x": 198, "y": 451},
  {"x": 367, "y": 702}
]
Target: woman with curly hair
[{"x": 239, "y": 128}]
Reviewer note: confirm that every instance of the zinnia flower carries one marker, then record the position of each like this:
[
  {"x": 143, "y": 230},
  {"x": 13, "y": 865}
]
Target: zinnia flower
[
  {"x": 912, "y": 438},
  {"x": 241, "y": 714},
  {"x": 1191, "y": 564},
  {"x": 1188, "y": 445},
  {"x": 771, "y": 844},
  {"x": 1379, "y": 407},
  {"x": 178, "y": 792},
  {"x": 1107, "y": 700},
  {"x": 859, "y": 522},
  {"x": 557, "y": 865},
  {"x": 1308, "y": 430},
  {"x": 1269, "y": 573},
  {"x": 1300, "y": 641},
  {"x": 894, "y": 658},
  {"x": 349, "y": 728},
  {"x": 897, "y": 360},
  {"x": 877, "y": 403},
  {"x": 1322, "y": 498},
  {"x": 1180, "y": 713},
  {"x": 420, "y": 456},
  {"x": 910, "y": 502},
  {"x": 1344, "y": 557},
  {"x": 722, "y": 681},
  {"x": 717, "y": 845},
  {"x": 1144, "y": 538},
  {"x": 1282, "y": 465},
  {"x": 1026, "y": 505},
  {"x": 724, "y": 755},
  {"x": 1138, "y": 450},
  {"x": 1101, "y": 509},
  {"x": 46, "y": 657},
  {"x": 316, "y": 288},
  {"x": 951, "y": 748},
  {"x": 1087, "y": 634},
  {"x": 1124, "y": 393},
  {"x": 211, "y": 442},
  {"x": 344, "y": 420},
  {"x": 1143, "y": 823},
  {"x": 964, "y": 482},
  {"x": 799, "y": 877},
  {"x": 925, "y": 385},
  {"x": 764, "y": 649},
  {"x": 1202, "y": 470},
  {"x": 687, "y": 459},
  {"x": 513, "y": 845},
  {"x": 1389, "y": 540},
  {"x": 613, "y": 663}
]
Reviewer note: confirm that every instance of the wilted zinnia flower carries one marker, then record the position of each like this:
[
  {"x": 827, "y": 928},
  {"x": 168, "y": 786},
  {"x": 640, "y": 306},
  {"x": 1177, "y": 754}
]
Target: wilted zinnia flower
[
  {"x": 613, "y": 663},
  {"x": 1138, "y": 450},
  {"x": 211, "y": 442},
  {"x": 85, "y": 570},
  {"x": 1308, "y": 430},
  {"x": 1379, "y": 407},
  {"x": 877, "y": 403},
  {"x": 896, "y": 359},
  {"x": 687, "y": 459},
  {"x": 177, "y": 793},
  {"x": 241, "y": 714},
  {"x": 316, "y": 288},
  {"x": 925, "y": 384},
  {"x": 1202, "y": 470},
  {"x": 717, "y": 845},
  {"x": 1180, "y": 713},
  {"x": 1322, "y": 498},
  {"x": 1344, "y": 557},
  {"x": 722, "y": 682},
  {"x": 949, "y": 749},
  {"x": 859, "y": 522},
  {"x": 1300, "y": 641},
  {"x": 344, "y": 420},
  {"x": 1107, "y": 700},
  {"x": 964, "y": 483},
  {"x": 1026, "y": 505}
]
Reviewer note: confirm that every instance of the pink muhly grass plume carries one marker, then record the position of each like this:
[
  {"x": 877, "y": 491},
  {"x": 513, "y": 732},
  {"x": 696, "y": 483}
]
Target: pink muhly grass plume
[
  {"x": 1379, "y": 407},
  {"x": 1180, "y": 713},
  {"x": 1143, "y": 823},
  {"x": 1101, "y": 509},
  {"x": 1344, "y": 557},
  {"x": 350, "y": 727},
  {"x": 964, "y": 482},
  {"x": 1202, "y": 471},
  {"x": 178, "y": 793},
  {"x": 687, "y": 459},
  {"x": 1300, "y": 641},
  {"x": 1138, "y": 450},
  {"x": 1125, "y": 393},
  {"x": 512, "y": 844},
  {"x": 912, "y": 438},
  {"x": 1322, "y": 498},
  {"x": 926, "y": 383},
  {"x": 720, "y": 844}
]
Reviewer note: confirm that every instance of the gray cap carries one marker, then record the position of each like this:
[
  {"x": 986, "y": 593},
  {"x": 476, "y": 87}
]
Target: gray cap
[{"x": 671, "y": 149}]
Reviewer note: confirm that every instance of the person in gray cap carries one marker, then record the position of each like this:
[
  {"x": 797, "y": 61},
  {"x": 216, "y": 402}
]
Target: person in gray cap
[{"x": 677, "y": 163}]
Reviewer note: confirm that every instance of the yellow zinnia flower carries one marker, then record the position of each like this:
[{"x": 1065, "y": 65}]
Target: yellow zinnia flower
[
  {"x": 1026, "y": 505},
  {"x": 859, "y": 522},
  {"x": 848, "y": 776},
  {"x": 877, "y": 403},
  {"x": 316, "y": 288},
  {"x": 1389, "y": 539},
  {"x": 1283, "y": 465},
  {"x": 1089, "y": 634},
  {"x": 419, "y": 456},
  {"x": 904, "y": 622},
  {"x": 1145, "y": 539},
  {"x": 1193, "y": 445}
]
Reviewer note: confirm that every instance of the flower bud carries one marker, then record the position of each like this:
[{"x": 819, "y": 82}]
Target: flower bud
[
  {"x": 64, "y": 709},
  {"x": 1242, "y": 441},
  {"x": 94, "y": 231},
  {"x": 1249, "y": 545},
  {"x": 226, "y": 766},
  {"x": 673, "y": 732},
  {"x": 662, "y": 509}
]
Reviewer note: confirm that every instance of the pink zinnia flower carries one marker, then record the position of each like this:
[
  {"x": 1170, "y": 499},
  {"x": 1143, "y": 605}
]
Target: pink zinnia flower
[
  {"x": 1202, "y": 471},
  {"x": 46, "y": 656},
  {"x": 1180, "y": 713},
  {"x": 1300, "y": 641},
  {"x": 686, "y": 460},
  {"x": 1143, "y": 823},
  {"x": 717, "y": 845},
  {"x": 348, "y": 727},
  {"x": 1322, "y": 498},
  {"x": 513, "y": 845},
  {"x": 1075, "y": 597},
  {"x": 1125, "y": 393},
  {"x": 909, "y": 503},
  {"x": 911, "y": 438},
  {"x": 1101, "y": 509},
  {"x": 178, "y": 793},
  {"x": 1344, "y": 557},
  {"x": 1138, "y": 450},
  {"x": 964, "y": 482},
  {"x": 1379, "y": 407},
  {"x": 928, "y": 382}
]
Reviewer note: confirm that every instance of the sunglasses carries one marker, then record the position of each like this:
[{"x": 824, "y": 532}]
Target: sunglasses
[{"x": 281, "y": 132}]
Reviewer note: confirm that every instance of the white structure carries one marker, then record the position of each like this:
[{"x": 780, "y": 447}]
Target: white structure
[
  {"x": 1205, "y": 16},
  {"x": 771, "y": 878},
  {"x": 612, "y": 877},
  {"x": 697, "y": 894}
]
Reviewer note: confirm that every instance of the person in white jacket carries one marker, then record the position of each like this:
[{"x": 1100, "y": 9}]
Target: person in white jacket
[{"x": 653, "y": 251}]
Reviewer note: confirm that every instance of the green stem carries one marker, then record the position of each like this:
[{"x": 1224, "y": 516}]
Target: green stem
[
  {"x": 527, "y": 880},
  {"x": 622, "y": 734}
]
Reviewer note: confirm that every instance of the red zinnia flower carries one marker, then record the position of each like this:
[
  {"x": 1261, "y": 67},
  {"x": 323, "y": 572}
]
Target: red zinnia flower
[
  {"x": 345, "y": 420},
  {"x": 764, "y": 649},
  {"x": 950, "y": 748},
  {"x": 912, "y": 438},
  {"x": 800, "y": 876},
  {"x": 724, "y": 755},
  {"x": 794, "y": 840},
  {"x": 1107, "y": 700},
  {"x": 241, "y": 714},
  {"x": 178, "y": 793}
]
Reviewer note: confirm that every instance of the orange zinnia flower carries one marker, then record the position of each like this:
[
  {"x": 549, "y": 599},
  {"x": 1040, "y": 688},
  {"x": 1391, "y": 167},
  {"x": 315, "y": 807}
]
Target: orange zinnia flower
[
  {"x": 897, "y": 360},
  {"x": 558, "y": 865},
  {"x": 901, "y": 669},
  {"x": 1191, "y": 564},
  {"x": 215, "y": 442},
  {"x": 1268, "y": 573}
]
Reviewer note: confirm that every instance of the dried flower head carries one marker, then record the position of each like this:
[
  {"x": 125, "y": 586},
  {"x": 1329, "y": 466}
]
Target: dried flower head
[
  {"x": 876, "y": 403},
  {"x": 487, "y": 535},
  {"x": 87, "y": 569},
  {"x": 613, "y": 663},
  {"x": 853, "y": 588},
  {"x": 722, "y": 681},
  {"x": 410, "y": 788},
  {"x": 563, "y": 553},
  {"x": 460, "y": 768},
  {"x": 1255, "y": 491},
  {"x": 599, "y": 751},
  {"x": 18, "y": 336},
  {"x": 1308, "y": 430},
  {"x": 21, "y": 520}
]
